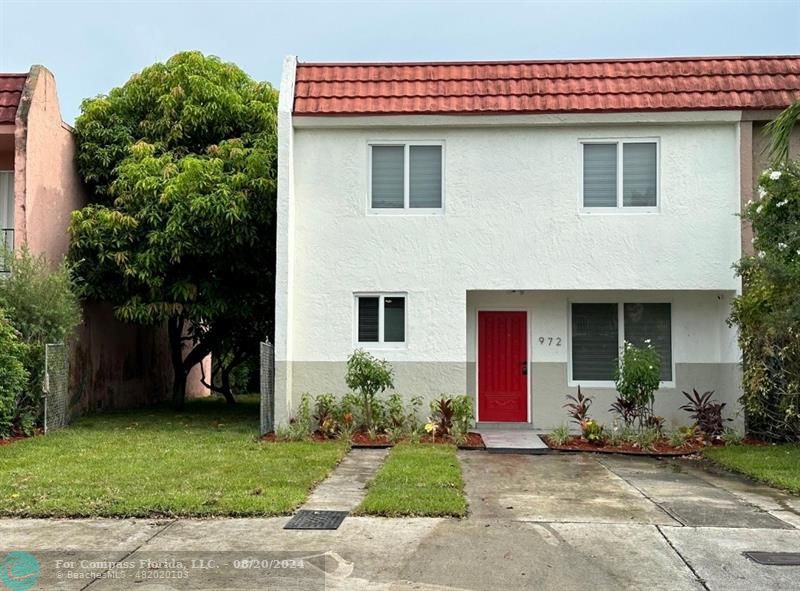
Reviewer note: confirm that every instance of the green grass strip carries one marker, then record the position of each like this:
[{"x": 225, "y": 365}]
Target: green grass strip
[
  {"x": 777, "y": 465},
  {"x": 417, "y": 480}
]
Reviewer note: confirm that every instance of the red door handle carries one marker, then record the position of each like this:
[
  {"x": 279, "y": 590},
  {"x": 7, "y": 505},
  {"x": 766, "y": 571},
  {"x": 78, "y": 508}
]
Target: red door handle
[{"x": 524, "y": 368}]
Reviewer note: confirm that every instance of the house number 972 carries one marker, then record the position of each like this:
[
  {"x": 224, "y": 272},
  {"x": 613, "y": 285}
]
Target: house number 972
[{"x": 550, "y": 341}]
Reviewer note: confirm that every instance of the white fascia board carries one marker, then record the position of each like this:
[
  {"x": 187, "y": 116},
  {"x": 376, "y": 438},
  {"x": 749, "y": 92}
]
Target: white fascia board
[{"x": 565, "y": 119}]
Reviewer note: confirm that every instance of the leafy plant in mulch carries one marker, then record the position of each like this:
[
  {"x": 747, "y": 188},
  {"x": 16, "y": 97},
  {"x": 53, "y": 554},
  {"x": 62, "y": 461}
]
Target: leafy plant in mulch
[
  {"x": 578, "y": 407},
  {"x": 637, "y": 378},
  {"x": 707, "y": 413}
]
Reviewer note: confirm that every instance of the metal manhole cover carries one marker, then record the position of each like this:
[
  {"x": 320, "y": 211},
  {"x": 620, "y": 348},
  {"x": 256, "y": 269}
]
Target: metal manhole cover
[
  {"x": 316, "y": 520},
  {"x": 775, "y": 558}
]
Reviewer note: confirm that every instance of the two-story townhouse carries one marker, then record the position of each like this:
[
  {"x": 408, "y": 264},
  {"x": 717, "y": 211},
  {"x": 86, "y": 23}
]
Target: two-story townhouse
[{"x": 502, "y": 229}]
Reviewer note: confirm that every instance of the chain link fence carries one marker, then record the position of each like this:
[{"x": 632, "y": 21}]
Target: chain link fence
[
  {"x": 267, "y": 355},
  {"x": 56, "y": 386}
]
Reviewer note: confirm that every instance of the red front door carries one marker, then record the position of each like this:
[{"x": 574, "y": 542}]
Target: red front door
[{"x": 503, "y": 367}]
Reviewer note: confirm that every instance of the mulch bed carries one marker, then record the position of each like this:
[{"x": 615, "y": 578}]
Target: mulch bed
[
  {"x": 18, "y": 437},
  {"x": 362, "y": 439},
  {"x": 660, "y": 448}
]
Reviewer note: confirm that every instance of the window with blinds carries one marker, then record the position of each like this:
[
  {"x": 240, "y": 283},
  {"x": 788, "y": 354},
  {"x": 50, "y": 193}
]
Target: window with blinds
[
  {"x": 597, "y": 337},
  {"x": 620, "y": 174},
  {"x": 380, "y": 319},
  {"x": 406, "y": 176}
]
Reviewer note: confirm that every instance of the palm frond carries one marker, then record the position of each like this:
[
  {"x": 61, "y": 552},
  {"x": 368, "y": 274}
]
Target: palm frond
[{"x": 780, "y": 132}]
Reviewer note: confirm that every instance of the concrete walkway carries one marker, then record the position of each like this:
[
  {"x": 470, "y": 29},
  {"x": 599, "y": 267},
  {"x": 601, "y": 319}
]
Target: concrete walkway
[
  {"x": 344, "y": 489},
  {"x": 561, "y": 522}
]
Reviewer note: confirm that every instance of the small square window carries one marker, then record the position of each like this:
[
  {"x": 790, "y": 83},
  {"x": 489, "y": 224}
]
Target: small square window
[{"x": 381, "y": 319}]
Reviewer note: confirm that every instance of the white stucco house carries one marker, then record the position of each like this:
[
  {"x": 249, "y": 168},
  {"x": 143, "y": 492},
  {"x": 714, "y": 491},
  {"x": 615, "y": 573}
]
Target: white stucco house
[{"x": 501, "y": 229}]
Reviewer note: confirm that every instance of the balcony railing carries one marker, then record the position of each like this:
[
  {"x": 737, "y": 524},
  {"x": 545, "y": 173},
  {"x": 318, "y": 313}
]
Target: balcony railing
[{"x": 6, "y": 246}]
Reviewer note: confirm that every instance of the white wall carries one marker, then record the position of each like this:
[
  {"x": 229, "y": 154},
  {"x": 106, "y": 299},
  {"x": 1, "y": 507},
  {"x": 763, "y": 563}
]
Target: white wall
[{"x": 511, "y": 221}]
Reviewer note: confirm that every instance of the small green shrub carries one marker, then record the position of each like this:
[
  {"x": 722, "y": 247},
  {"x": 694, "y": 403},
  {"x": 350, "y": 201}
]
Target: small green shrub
[
  {"x": 676, "y": 438},
  {"x": 41, "y": 304},
  {"x": 301, "y": 426},
  {"x": 14, "y": 377},
  {"x": 463, "y": 413},
  {"x": 395, "y": 434},
  {"x": 560, "y": 435},
  {"x": 368, "y": 377},
  {"x": 637, "y": 377},
  {"x": 731, "y": 437},
  {"x": 592, "y": 431},
  {"x": 325, "y": 414},
  {"x": 646, "y": 437}
]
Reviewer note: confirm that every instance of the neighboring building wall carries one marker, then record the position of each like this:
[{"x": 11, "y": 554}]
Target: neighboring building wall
[
  {"x": 511, "y": 221},
  {"x": 47, "y": 185}
]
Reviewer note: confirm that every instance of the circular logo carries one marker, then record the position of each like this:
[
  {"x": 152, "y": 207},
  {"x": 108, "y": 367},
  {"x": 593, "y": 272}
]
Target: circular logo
[{"x": 19, "y": 571}]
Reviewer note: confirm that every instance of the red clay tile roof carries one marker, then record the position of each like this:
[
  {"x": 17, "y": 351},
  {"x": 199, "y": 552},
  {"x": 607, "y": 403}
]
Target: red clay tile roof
[
  {"x": 11, "y": 86},
  {"x": 660, "y": 84}
]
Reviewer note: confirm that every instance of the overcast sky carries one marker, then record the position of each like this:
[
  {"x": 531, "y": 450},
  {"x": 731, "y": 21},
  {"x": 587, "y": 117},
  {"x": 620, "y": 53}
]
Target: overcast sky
[{"x": 92, "y": 46}]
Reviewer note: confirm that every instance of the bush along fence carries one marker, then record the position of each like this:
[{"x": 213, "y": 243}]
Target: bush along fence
[
  {"x": 767, "y": 313},
  {"x": 636, "y": 427},
  {"x": 38, "y": 307},
  {"x": 367, "y": 415}
]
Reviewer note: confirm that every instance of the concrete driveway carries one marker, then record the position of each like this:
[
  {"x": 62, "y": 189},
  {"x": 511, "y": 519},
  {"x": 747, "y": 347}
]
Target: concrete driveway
[{"x": 557, "y": 521}]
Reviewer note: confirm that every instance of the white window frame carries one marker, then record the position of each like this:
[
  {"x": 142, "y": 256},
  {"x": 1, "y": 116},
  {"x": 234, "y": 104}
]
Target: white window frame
[
  {"x": 572, "y": 382},
  {"x": 406, "y": 209},
  {"x": 380, "y": 344},
  {"x": 620, "y": 208}
]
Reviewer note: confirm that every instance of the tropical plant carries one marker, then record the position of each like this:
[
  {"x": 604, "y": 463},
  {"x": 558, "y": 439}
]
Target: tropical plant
[
  {"x": 325, "y": 414},
  {"x": 368, "y": 376},
  {"x": 301, "y": 426},
  {"x": 780, "y": 132},
  {"x": 13, "y": 375},
  {"x": 463, "y": 413},
  {"x": 626, "y": 409},
  {"x": 443, "y": 413},
  {"x": 706, "y": 413},
  {"x": 578, "y": 406},
  {"x": 637, "y": 377},
  {"x": 560, "y": 435},
  {"x": 677, "y": 438},
  {"x": 592, "y": 431},
  {"x": 181, "y": 166}
]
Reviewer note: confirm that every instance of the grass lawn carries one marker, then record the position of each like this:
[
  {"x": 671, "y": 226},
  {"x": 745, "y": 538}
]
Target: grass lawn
[
  {"x": 777, "y": 465},
  {"x": 205, "y": 460},
  {"x": 417, "y": 480}
]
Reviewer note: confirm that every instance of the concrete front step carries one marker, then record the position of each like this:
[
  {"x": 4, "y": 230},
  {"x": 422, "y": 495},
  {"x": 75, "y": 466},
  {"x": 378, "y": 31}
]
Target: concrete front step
[{"x": 512, "y": 440}]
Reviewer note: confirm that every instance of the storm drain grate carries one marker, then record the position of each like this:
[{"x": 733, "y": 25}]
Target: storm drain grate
[
  {"x": 316, "y": 520},
  {"x": 774, "y": 558}
]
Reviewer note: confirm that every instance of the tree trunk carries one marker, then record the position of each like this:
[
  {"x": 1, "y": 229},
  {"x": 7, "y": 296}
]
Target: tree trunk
[
  {"x": 175, "y": 329},
  {"x": 226, "y": 386}
]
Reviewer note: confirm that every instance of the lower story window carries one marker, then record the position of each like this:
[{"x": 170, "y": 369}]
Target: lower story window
[
  {"x": 380, "y": 318},
  {"x": 599, "y": 331}
]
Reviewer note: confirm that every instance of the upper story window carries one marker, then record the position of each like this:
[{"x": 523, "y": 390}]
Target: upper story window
[
  {"x": 406, "y": 176},
  {"x": 620, "y": 174}
]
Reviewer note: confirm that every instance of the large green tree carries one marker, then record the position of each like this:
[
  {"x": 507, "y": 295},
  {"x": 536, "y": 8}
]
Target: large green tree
[{"x": 181, "y": 164}]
